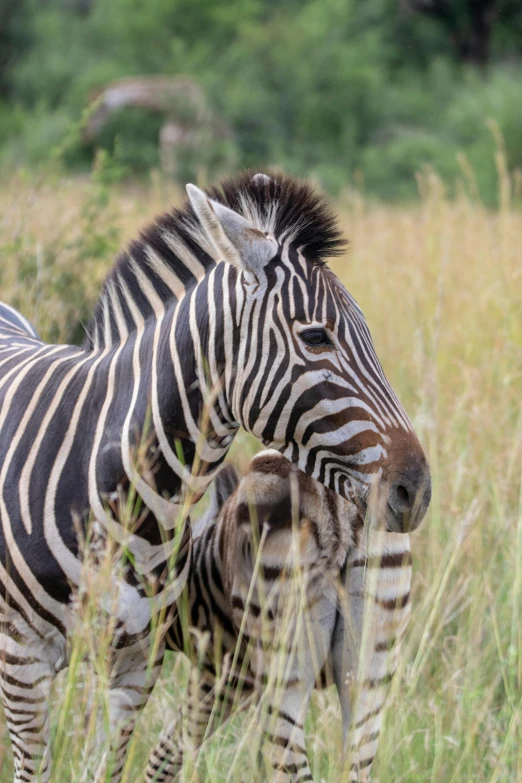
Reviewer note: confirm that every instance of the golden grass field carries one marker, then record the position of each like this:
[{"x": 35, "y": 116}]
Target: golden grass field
[{"x": 440, "y": 283}]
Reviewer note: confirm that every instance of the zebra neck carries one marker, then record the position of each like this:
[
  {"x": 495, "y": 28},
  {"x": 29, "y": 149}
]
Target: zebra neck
[
  {"x": 191, "y": 413},
  {"x": 168, "y": 416}
]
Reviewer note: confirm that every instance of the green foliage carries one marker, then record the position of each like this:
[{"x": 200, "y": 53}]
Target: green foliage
[
  {"x": 98, "y": 240},
  {"x": 15, "y": 38},
  {"x": 332, "y": 89},
  {"x": 57, "y": 282}
]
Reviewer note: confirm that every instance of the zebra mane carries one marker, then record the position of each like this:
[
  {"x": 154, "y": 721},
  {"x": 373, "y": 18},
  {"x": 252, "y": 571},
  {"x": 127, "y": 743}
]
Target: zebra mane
[
  {"x": 172, "y": 254},
  {"x": 287, "y": 208}
]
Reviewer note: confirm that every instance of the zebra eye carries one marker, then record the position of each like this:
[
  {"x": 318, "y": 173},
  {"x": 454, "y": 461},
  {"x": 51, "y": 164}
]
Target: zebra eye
[{"x": 315, "y": 337}]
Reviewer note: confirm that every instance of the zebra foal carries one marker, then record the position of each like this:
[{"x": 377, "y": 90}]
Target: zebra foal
[
  {"x": 222, "y": 314},
  {"x": 288, "y": 583}
]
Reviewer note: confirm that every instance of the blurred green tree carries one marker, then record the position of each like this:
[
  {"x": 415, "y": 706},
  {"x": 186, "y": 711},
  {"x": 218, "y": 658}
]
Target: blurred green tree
[
  {"x": 15, "y": 39},
  {"x": 333, "y": 89},
  {"x": 471, "y": 24}
]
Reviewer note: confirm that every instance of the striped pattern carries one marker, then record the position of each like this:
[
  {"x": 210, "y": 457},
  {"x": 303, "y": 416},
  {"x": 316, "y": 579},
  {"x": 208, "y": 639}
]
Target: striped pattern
[
  {"x": 372, "y": 621},
  {"x": 200, "y": 328},
  {"x": 323, "y": 600},
  {"x": 51, "y": 446}
]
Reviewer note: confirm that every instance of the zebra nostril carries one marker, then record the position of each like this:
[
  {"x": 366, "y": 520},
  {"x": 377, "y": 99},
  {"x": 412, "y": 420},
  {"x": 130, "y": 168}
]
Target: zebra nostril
[
  {"x": 403, "y": 496},
  {"x": 408, "y": 500}
]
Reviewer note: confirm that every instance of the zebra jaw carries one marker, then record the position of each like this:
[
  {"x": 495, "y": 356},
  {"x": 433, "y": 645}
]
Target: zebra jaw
[{"x": 235, "y": 239}]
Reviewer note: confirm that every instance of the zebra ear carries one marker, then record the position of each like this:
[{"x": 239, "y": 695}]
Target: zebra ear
[{"x": 234, "y": 237}]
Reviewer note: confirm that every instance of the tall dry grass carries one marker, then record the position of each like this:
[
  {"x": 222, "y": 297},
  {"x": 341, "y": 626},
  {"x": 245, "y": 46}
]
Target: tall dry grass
[{"x": 441, "y": 286}]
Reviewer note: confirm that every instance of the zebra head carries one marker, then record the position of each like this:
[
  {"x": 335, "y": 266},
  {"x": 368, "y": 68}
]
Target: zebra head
[{"x": 303, "y": 377}]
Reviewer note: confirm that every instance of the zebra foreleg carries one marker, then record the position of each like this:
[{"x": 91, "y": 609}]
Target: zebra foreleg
[
  {"x": 166, "y": 759},
  {"x": 207, "y": 705},
  {"x": 370, "y": 625},
  {"x": 180, "y": 743},
  {"x": 25, "y": 683},
  {"x": 361, "y": 698},
  {"x": 133, "y": 678},
  {"x": 284, "y": 741}
]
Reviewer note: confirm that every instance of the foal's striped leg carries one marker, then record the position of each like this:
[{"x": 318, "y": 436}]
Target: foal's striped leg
[
  {"x": 25, "y": 682},
  {"x": 133, "y": 679},
  {"x": 166, "y": 759},
  {"x": 299, "y": 642},
  {"x": 285, "y": 749},
  {"x": 366, "y": 644},
  {"x": 180, "y": 743},
  {"x": 207, "y": 705}
]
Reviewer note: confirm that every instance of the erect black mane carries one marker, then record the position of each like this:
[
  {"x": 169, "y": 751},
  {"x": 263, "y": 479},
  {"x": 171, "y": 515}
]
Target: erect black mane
[
  {"x": 281, "y": 205},
  {"x": 299, "y": 210}
]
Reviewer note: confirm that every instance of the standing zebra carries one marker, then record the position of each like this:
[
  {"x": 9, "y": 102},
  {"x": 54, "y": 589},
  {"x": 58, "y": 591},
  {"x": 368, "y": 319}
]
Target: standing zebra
[
  {"x": 181, "y": 351},
  {"x": 265, "y": 588}
]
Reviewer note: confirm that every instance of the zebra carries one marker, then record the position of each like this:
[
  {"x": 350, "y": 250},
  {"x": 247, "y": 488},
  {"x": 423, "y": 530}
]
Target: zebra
[
  {"x": 222, "y": 314},
  {"x": 281, "y": 572}
]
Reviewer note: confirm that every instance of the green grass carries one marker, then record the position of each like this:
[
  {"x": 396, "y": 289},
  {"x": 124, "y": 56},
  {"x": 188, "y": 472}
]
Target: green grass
[{"x": 441, "y": 286}]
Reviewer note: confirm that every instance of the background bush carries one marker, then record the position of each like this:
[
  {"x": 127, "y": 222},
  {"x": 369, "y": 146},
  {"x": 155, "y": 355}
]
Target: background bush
[{"x": 339, "y": 90}]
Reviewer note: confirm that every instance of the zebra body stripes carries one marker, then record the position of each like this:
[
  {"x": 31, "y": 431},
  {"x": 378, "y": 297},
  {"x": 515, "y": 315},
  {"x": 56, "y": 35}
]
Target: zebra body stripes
[
  {"x": 288, "y": 584},
  {"x": 221, "y": 315}
]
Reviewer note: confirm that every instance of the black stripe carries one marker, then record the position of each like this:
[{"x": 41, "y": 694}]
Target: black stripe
[{"x": 387, "y": 560}]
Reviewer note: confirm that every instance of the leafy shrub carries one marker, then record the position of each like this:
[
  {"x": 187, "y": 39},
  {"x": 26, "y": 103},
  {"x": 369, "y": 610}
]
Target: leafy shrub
[{"x": 325, "y": 88}]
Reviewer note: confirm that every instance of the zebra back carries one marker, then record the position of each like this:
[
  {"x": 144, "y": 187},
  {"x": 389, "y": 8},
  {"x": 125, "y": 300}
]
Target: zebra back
[{"x": 12, "y": 319}]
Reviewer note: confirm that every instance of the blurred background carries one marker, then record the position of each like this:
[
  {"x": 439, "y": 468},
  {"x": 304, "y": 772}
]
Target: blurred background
[{"x": 353, "y": 94}]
